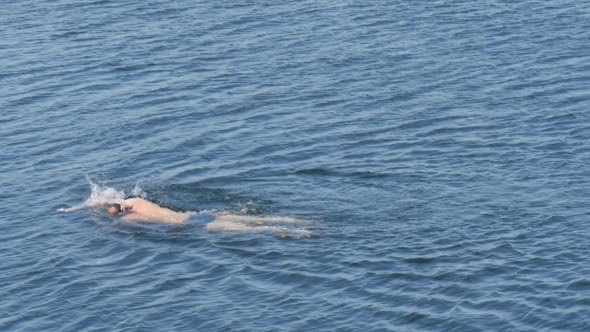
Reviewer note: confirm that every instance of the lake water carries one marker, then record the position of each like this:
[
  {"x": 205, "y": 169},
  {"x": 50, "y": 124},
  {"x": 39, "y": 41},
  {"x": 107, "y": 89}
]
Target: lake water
[{"x": 440, "y": 147}]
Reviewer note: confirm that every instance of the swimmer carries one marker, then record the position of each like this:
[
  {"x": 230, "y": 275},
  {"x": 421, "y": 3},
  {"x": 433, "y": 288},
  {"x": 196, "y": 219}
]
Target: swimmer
[{"x": 139, "y": 209}]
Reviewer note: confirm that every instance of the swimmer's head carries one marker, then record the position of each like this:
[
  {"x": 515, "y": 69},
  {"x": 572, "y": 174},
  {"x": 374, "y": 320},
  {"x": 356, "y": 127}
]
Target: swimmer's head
[{"x": 114, "y": 209}]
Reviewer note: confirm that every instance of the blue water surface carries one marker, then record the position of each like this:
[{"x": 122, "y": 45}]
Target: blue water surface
[{"x": 441, "y": 147}]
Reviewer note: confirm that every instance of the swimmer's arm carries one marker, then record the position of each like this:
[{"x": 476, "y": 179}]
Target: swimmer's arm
[
  {"x": 74, "y": 208},
  {"x": 71, "y": 208},
  {"x": 90, "y": 204}
]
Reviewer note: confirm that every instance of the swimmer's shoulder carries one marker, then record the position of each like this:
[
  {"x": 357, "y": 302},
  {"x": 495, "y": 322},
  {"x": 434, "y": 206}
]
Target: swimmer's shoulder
[{"x": 134, "y": 200}]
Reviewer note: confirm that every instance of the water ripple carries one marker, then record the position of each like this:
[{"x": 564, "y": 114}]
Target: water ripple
[{"x": 440, "y": 148}]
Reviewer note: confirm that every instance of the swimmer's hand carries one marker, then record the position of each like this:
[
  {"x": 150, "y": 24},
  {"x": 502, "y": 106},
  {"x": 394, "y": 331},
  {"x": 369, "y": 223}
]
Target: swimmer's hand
[
  {"x": 70, "y": 209},
  {"x": 86, "y": 204}
]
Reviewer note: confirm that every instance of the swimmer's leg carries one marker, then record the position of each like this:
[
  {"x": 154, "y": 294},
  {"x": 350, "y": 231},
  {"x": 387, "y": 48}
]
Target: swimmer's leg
[
  {"x": 283, "y": 219},
  {"x": 225, "y": 225},
  {"x": 258, "y": 220},
  {"x": 231, "y": 226}
]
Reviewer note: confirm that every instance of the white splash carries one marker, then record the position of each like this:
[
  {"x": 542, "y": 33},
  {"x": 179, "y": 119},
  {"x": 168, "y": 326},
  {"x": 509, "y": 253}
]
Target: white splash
[
  {"x": 138, "y": 191},
  {"x": 100, "y": 194}
]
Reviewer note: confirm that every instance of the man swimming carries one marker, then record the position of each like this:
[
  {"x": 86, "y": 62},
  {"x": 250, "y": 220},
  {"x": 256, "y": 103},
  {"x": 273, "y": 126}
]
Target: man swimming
[
  {"x": 142, "y": 210},
  {"x": 139, "y": 209}
]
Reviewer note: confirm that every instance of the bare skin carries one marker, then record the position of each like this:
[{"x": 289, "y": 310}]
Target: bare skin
[{"x": 138, "y": 209}]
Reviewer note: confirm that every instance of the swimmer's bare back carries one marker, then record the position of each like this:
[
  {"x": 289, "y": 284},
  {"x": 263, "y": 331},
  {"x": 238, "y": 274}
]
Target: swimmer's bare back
[{"x": 138, "y": 209}]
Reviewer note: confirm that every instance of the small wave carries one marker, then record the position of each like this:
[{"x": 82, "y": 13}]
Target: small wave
[
  {"x": 315, "y": 171},
  {"x": 330, "y": 172}
]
